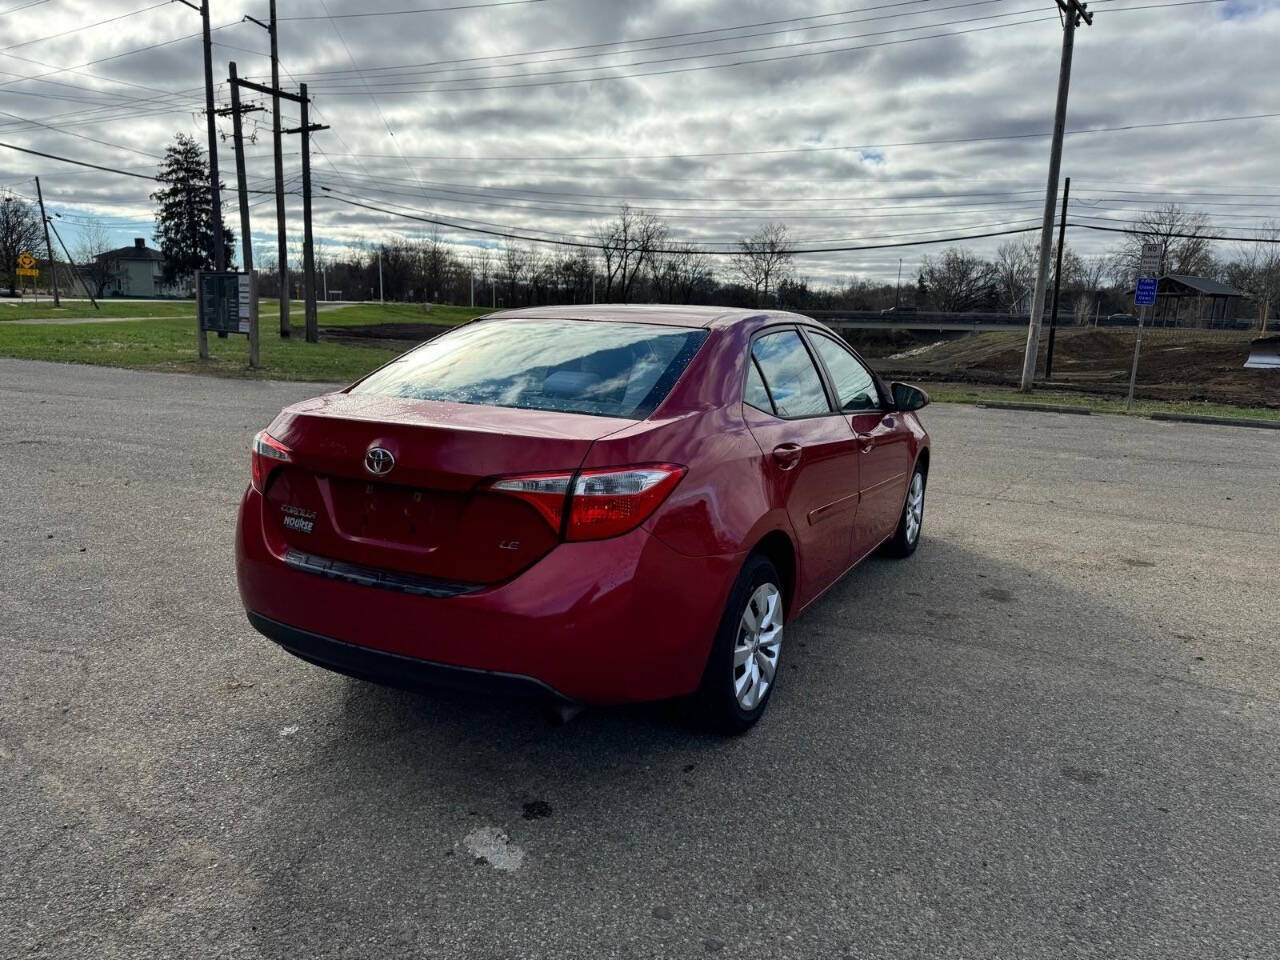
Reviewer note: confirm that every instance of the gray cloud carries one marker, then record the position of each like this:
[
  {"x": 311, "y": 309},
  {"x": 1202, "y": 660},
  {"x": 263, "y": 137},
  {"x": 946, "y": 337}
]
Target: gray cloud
[{"x": 1178, "y": 63}]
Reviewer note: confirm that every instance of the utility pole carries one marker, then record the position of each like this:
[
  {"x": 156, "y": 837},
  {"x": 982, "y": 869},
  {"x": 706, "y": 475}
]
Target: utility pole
[
  {"x": 242, "y": 186},
  {"x": 53, "y": 265},
  {"x": 897, "y": 295},
  {"x": 282, "y": 244},
  {"x": 1057, "y": 281},
  {"x": 380, "y": 297},
  {"x": 308, "y": 246},
  {"x": 215, "y": 193},
  {"x": 1073, "y": 11},
  {"x": 308, "y": 257},
  {"x": 74, "y": 271}
]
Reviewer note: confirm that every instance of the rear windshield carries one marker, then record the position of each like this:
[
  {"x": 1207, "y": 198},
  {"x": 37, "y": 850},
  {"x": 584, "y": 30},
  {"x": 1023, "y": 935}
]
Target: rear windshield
[{"x": 574, "y": 366}]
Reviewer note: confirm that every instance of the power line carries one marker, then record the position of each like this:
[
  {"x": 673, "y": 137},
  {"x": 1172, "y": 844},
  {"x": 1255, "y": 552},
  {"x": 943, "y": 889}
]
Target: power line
[
  {"x": 87, "y": 26},
  {"x": 667, "y": 46},
  {"x": 834, "y": 149},
  {"x": 435, "y": 86},
  {"x": 33, "y": 3},
  {"x": 1162, "y": 233},
  {"x": 400, "y": 13},
  {"x": 614, "y": 43},
  {"x": 391, "y": 133},
  {"x": 595, "y": 245}
]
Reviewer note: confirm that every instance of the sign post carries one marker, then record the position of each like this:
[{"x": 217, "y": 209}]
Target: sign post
[
  {"x": 1144, "y": 296},
  {"x": 27, "y": 268},
  {"x": 227, "y": 302}
]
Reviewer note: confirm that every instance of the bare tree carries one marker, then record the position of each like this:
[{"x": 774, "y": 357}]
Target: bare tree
[
  {"x": 573, "y": 274},
  {"x": 1256, "y": 271},
  {"x": 626, "y": 245},
  {"x": 958, "y": 281},
  {"x": 764, "y": 259},
  {"x": 1085, "y": 279},
  {"x": 1015, "y": 267},
  {"x": 98, "y": 271},
  {"x": 512, "y": 267},
  {"x": 677, "y": 271},
  {"x": 19, "y": 233},
  {"x": 1182, "y": 233}
]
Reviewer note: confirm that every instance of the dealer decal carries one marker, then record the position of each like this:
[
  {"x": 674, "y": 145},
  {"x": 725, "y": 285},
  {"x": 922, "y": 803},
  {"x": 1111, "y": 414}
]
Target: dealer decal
[{"x": 298, "y": 518}]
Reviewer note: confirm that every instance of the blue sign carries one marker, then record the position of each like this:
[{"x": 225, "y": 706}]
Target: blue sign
[{"x": 1145, "y": 295}]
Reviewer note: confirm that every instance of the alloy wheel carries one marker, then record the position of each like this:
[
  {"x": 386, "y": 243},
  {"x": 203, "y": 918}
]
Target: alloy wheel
[
  {"x": 915, "y": 508},
  {"x": 759, "y": 642}
]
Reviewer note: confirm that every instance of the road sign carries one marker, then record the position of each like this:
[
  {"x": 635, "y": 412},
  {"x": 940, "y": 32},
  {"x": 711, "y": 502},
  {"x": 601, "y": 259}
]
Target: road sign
[
  {"x": 1152, "y": 254},
  {"x": 27, "y": 272},
  {"x": 226, "y": 302},
  {"x": 26, "y": 261},
  {"x": 1145, "y": 295}
]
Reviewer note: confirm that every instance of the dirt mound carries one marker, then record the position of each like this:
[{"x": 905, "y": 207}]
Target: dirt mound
[{"x": 1179, "y": 364}]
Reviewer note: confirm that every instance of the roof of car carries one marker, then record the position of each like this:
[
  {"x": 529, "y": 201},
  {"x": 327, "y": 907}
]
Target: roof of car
[{"x": 672, "y": 315}]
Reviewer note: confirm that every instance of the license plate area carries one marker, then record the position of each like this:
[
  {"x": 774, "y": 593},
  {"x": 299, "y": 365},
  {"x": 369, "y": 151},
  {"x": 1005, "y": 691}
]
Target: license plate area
[{"x": 385, "y": 513}]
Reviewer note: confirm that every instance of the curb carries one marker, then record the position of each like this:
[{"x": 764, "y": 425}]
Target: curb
[
  {"x": 1040, "y": 407},
  {"x": 1219, "y": 421}
]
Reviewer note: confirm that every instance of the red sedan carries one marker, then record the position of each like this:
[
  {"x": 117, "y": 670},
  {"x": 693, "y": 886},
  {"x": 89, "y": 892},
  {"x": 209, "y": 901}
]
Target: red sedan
[{"x": 597, "y": 504}]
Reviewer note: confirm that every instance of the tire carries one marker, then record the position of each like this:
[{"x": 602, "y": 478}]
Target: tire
[
  {"x": 907, "y": 537},
  {"x": 729, "y": 699}
]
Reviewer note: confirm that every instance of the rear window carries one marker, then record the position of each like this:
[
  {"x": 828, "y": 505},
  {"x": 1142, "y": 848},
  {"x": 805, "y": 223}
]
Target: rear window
[{"x": 574, "y": 366}]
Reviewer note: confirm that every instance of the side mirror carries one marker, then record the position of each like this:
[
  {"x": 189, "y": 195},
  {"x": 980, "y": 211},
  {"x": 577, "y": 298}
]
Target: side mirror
[{"x": 906, "y": 397}]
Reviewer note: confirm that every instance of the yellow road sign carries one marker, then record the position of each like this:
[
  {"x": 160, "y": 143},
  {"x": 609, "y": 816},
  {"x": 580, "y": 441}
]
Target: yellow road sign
[
  {"x": 28, "y": 272},
  {"x": 26, "y": 261}
]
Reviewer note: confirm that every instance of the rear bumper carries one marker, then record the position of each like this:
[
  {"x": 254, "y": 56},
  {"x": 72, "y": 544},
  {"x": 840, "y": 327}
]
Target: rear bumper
[
  {"x": 609, "y": 621},
  {"x": 393, "y": 669}
]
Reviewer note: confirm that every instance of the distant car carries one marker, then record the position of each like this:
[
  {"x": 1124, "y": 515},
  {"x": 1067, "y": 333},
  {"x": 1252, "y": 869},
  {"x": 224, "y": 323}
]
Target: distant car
[
  {"x": 899, "y": 309},
  {"x": 1122, "y": 319},
  {"x": 599, "y": 505}
]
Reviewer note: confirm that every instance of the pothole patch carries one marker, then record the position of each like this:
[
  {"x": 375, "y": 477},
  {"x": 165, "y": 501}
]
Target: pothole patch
[{"x": 492, "y": 845}]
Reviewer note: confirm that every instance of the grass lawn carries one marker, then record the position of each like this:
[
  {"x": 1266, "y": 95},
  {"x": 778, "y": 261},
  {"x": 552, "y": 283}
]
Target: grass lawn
[
  {"x": 29, "y": 310},
  {"x": 330, "y": 315},
  {"x": 366, "y": 314},
  {"x": 979, "y": 393},
  {"x": 170, "y": 344}
]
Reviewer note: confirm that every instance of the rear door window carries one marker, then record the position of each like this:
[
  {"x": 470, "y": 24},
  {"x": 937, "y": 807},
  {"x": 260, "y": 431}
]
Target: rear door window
[
  {"x": 854, "y": 385},
  {"x": 793, "y": 380},
  {"x": 574, "y": 366},
  {"x": 755, "y": 392}
]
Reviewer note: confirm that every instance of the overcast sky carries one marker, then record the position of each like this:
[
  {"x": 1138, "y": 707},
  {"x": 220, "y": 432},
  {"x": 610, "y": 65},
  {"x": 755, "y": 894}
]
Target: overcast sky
[{"x": 543, "y": 116}]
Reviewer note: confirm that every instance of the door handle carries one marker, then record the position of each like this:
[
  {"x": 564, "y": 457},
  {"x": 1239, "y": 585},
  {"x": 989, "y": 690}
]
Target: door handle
[
  {"x": 866, "y": 441},
  {"x": 787, "y": 455}
]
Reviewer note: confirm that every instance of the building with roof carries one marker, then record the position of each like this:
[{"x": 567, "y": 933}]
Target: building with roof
[
  {"x": 1183, "y": 300},
  {"x": 138, "y": 271}
]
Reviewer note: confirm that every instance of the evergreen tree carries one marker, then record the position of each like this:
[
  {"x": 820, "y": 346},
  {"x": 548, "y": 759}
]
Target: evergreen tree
[{"x": 184, "y": 222}]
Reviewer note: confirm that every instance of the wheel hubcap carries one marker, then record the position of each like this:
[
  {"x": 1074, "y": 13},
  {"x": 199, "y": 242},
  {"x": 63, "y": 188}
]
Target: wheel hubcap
[
  {"x": 755, "y": 654},
  {"x": 915, "y": 508}
]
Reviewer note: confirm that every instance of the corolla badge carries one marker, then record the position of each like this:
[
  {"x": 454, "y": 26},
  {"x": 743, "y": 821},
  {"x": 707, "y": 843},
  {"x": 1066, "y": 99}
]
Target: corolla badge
[{"x": 379, "y": 461}]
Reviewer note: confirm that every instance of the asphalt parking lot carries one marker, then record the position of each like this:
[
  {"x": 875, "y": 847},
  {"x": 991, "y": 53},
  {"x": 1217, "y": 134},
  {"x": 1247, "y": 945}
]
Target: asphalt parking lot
[{"x": 1051, "y": 733}]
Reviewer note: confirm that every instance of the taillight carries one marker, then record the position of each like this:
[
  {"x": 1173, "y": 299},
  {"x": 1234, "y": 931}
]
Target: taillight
[
  {"x": 602, "y": 502},
  {"x": 545, "y": 492},
  {"x": 265, "y": 455}
]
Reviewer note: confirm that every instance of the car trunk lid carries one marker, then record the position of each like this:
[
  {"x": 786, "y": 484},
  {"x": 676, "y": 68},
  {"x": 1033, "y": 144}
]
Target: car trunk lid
[{"x": 427, "y": 514}]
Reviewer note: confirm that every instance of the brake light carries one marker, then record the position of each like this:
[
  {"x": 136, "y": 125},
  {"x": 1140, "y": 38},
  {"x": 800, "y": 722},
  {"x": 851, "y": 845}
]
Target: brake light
[
  {"x": 602, "y": 503},
  {"x": 265, "y": 455}
]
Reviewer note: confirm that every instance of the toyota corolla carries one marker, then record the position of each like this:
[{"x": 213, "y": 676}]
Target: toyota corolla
[{"x": 598, "y": 505}]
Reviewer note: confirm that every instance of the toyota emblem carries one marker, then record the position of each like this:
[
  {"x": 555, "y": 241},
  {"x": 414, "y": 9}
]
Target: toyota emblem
[{"x": 379, "y": 461}]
